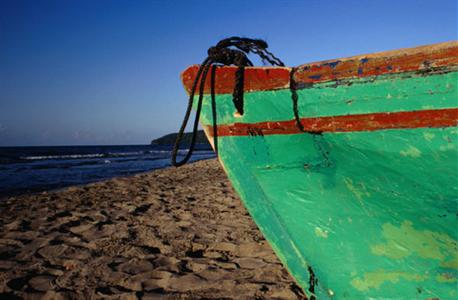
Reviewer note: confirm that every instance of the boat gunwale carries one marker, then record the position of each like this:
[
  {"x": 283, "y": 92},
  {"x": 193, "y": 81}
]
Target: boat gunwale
[{"x": 265, "y": 78}]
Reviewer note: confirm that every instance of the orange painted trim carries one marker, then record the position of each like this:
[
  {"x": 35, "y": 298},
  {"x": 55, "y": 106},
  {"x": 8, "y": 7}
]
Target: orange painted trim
[
  {"x": 348, "y": 123},
  {"x": 425, "y": 58}
]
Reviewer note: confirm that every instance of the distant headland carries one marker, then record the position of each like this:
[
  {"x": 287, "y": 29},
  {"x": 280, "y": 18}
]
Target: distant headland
[{"x": 170, "y": 139}]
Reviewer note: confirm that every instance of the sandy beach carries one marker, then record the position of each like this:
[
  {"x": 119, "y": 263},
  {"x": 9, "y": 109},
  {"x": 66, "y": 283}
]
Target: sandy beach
[{"x": 177, "y": 233}]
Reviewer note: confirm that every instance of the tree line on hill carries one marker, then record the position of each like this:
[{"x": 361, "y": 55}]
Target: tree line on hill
[{"x": 170, "y": 139}]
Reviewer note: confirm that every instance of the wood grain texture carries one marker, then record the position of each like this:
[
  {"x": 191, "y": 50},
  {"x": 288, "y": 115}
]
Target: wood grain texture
[
  {"x": 256, "y": 79},
  {"x": 425, "y": 59}
]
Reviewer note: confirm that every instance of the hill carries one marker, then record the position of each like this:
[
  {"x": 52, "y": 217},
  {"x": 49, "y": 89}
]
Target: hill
[{"x": 170, "y": 139}]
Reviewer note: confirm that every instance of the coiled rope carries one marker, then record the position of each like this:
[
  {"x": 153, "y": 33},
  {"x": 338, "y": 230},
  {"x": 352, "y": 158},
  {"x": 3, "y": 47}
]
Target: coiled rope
[{"x": 230, "y": 51}]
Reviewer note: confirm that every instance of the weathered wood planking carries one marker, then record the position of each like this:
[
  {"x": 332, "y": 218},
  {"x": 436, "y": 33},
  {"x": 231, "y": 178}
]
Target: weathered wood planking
[{"x": 389, "y": 62}]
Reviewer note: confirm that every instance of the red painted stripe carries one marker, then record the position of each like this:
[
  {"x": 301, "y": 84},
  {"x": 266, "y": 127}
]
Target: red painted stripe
[
  {"x": 270, "y": 78},
  {"x": 347, "y": 123}
]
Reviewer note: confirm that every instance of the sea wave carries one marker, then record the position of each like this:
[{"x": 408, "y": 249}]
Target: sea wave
[
  {"x": 65, "y": 156},
  {"x": 113, "y": 154},
  {"x": 26, "y": 169}
]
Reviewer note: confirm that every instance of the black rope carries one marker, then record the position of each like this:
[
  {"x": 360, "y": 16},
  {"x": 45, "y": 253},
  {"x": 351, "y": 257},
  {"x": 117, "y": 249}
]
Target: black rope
[
  {"x": 295, "y": 98},
  {"x": 212, "y": 92},
  {"x": 186, "y": 119},
  {"x": 230, "y": 51},
  {"x": 237, "y": 95}
]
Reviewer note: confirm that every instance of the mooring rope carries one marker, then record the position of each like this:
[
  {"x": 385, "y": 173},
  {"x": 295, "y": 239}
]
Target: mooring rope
[
  {"x": 295, "y": 98},
  {"x": 230, "y": 51}
]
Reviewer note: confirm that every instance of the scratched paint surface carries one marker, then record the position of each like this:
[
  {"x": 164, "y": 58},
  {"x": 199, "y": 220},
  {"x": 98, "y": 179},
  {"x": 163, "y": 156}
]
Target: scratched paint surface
[
  {"x": 374, "y": 218},
  {"x": 364, "y": 214}
]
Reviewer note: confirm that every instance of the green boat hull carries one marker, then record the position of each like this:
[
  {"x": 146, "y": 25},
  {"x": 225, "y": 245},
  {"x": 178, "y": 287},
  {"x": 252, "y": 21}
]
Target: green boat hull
[{"x": 366, "y": 211}]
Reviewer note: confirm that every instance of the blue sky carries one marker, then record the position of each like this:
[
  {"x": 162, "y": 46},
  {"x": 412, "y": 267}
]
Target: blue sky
[{"x": 107, "y": 72}]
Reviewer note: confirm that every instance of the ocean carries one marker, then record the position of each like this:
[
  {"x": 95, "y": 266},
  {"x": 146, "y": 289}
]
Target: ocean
[{"x": 35, "y": 169}]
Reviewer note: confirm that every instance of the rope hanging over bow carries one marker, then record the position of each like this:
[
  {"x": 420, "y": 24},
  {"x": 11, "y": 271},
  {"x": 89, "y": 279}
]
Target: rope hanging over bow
[{"x": 230, "y": 51}]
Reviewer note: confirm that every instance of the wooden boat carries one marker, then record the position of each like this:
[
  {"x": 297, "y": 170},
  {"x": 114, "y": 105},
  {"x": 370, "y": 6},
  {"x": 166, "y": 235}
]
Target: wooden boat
[{"x": 361, "y": 204}]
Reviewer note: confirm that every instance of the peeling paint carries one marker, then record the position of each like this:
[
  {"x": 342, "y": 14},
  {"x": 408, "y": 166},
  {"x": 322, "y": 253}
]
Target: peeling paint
[
  {"x": 321, "y": 233},
  {"x": 411, "y": 152},
  {"x": 446, "y": 277},
  {"x": 375, "y": 279},
  {"x": 446, "y": 147},
  {"x": 405, "y": 240},
  {"x": 359, "y": 190},
  {"x": 428, "y": 136}
]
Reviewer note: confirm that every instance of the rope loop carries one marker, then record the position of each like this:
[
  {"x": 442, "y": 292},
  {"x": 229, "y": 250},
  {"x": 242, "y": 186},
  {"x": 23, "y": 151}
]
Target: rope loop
[{"x": 230, "y": 51}]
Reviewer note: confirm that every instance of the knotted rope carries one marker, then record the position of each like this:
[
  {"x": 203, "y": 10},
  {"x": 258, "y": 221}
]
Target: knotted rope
[{"x": 230, "y": 51}]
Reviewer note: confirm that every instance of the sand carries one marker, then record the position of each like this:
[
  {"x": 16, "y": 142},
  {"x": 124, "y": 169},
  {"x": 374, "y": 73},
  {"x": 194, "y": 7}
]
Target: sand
[{"x": 177, "y": 233}]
